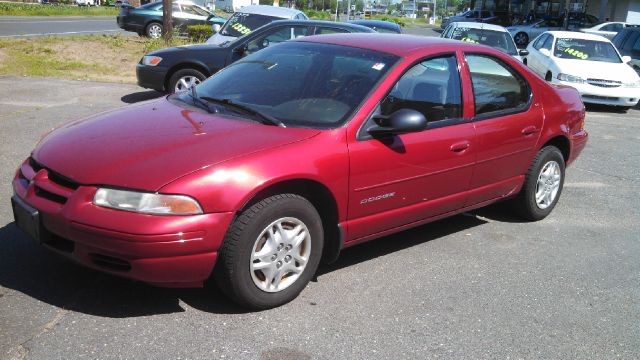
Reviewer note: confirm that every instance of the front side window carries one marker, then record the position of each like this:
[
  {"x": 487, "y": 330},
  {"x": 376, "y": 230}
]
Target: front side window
[
  {"x": 302, "y": 84},
  {"x": 581, "y": 49},
  {"x": 548, "y": 43},
  {"x": 243, "y": 23},
  {"x": 496, "y": 87},
  {"x": 275, "y": 36},
  {"x": 431, "y": 87}
]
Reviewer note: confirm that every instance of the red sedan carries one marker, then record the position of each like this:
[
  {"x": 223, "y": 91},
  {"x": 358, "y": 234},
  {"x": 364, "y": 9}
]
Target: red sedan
[{"x": 294, "y": 153}]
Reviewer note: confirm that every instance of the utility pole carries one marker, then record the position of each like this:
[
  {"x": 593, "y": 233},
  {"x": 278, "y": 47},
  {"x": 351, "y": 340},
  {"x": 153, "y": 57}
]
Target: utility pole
[
  {"x": 167, "y": 24},
  {"x": 349, "y": 10}
]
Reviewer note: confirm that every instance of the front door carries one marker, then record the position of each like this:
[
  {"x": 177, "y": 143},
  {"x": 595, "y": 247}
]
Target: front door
[{"x": 401, "y": 179}]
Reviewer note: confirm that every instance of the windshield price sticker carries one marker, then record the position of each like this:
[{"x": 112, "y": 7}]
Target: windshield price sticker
[
  {"x": 469, "y": 40},
  {"x": 241, "y": 28},
  {"x": 576, "y": 53}
]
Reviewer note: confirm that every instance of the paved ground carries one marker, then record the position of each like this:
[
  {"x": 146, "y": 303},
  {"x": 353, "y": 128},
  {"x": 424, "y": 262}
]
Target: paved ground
[
  {"x": 31, "y": 26},
  {"x": 475, "y": 286}
]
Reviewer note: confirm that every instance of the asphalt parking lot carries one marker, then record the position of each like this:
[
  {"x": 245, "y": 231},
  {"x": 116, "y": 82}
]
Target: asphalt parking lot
[{"x": 480, "y": 285}]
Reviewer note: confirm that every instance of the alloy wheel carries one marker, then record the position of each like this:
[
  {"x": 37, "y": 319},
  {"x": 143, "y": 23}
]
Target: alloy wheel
[
  {"x": 280, "y": 254},
  {"x": 186, "y": 82},
  {"x": 548, "y": 184}
]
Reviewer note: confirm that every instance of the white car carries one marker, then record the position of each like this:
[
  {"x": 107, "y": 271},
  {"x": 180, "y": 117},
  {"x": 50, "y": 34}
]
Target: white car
[
  {"x": 486, "y": 34},
  {"x": 608, "y": 29},
  {"x": 589, "y": 63},
  {"x": 86, "y": 2},
  {"x": 250, "y": 18}
]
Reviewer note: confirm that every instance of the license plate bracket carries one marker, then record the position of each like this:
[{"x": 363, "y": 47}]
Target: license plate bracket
[{"x": 27, "y": 218}]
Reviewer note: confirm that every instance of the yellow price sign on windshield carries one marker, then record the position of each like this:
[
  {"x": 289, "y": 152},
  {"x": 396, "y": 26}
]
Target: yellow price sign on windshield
[
  {"x": 469, "y": 40},
  {"x": 576, "y": 53},
  {"x": 241, "y": 28}
]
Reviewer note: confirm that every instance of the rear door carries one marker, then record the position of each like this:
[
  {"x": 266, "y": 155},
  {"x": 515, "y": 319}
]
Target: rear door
[
  {"x": 400, "y": 179},
  {"x": 508, "y": 121}
]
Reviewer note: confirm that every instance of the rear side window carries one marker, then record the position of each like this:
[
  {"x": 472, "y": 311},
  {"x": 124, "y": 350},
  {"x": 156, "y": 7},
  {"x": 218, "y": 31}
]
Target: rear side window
[
  {"x": 497, "y": 88},
  {"x": 324, "y": 30},
  {"x": 431, "y": 87}
]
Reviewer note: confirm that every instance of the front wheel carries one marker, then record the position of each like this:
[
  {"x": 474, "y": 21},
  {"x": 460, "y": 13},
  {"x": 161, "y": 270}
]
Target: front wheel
[
  {"x": 542, "y": 185},
  {"x": 270, "y": 252},
  {"x": 184, "y": 79}
]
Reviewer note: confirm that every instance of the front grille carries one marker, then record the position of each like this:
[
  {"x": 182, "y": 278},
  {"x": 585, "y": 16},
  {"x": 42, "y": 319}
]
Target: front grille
[
  {"x": 110, "y": 262},
  {"x": 49, "y": 195},
  {"x": 598, "y": 97},
  {"x": 62, "y": 181},
  {"x": 604, "y": 83}
]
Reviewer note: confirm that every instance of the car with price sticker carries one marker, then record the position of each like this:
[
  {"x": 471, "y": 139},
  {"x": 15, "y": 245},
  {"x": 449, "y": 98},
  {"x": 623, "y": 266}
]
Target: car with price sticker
[
  {"x": 178, "y": 68},
  {"x": 250, "y": 18},
  {"x": 294, "y": 153},
  {"x": 589, "y": 63},
  {"x": 495, "y": 36}
]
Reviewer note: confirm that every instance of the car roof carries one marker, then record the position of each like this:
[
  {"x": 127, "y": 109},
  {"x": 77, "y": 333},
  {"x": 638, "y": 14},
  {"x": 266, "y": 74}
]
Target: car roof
[
  {"x": 477, "y": 25},
  {"x": 267, "y": 10},
  {"x": 578, "y": 35},
  {"x": 377, "y": 23},
  {"x": 333, "y": 24},
  {"x": 404, "y": 45}
]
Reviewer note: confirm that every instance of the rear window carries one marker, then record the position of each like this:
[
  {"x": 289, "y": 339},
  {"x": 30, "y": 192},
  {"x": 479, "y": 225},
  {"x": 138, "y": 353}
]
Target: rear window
[
  {"x": 496, "y": 39},
  {"x": 243, "y": 23}
]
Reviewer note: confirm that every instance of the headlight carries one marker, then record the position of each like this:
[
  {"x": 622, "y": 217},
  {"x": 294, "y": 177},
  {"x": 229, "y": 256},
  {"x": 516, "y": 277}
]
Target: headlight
[
  {"x": 148, "y": 203},
  {"x": 151, "y": 60},
  {"x": 570, "y": 78},
  {"x": 632, "y": 84}
]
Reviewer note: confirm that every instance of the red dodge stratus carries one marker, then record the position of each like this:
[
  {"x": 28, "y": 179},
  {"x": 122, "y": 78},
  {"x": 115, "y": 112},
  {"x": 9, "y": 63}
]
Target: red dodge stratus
[{"x": 294, "y": 153}]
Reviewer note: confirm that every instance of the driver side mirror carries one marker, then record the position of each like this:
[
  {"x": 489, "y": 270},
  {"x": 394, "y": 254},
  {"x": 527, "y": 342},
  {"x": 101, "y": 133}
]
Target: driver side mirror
[
  {"x": 399, "y": 122},
  {"x": 216, "y": 28},
  {"x": 545, "y": 52},
  {"x": 523, "y": 52},
  {"x": 626, "y": 59}
]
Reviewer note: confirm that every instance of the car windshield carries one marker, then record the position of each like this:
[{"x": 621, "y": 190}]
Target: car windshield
[
  {"x": 300, "y": 84},
  {"x": 496, "y": 39},
  {"x": 243, "y": 23},
  {"x": 580, "y": 49}
]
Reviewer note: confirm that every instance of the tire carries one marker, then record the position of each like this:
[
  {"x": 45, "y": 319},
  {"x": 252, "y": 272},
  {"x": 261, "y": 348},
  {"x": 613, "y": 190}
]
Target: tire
[
  {"x": 153, "y": 30},
  {"x": 183, "y": 79},
  {"x": 548, "y": 76},
  {"x": 272, "y": 278},
  {"x": 543, "y": 185},
  {"x": 521, "y": 39}
]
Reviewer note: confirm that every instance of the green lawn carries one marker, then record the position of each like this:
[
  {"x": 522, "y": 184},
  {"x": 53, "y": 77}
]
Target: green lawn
[{"x": 16, "y": 9}]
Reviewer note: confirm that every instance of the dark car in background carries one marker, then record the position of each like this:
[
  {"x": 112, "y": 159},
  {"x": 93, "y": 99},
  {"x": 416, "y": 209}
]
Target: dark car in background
[
  {"x": 501, "y": 18},
  {"x": 178, "y": 68},
  {"x": 146, "y": 20},
  {"x": 627, "y": 41},
  {"x": 380, "y": 26}
]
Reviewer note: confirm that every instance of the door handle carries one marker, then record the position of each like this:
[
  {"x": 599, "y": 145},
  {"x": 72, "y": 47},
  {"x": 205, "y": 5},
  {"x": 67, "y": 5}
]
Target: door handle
[
  {"x": 459, "y": 147},
  {"x": 529, "y": 130}
]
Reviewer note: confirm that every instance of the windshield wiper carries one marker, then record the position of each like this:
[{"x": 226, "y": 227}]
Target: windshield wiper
[
  {"x": 199, "y": 101},
  {"x": 266, "y": 119}
]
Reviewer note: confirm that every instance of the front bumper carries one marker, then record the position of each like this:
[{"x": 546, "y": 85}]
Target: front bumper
[
  {"x": 171, "y": 251},
  {"x": 618, "y": 96},
  {"x": 151, "y": 77}
]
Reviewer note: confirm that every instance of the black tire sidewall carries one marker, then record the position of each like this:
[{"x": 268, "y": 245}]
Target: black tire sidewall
[
  {"x": 180, "y": 73},
  {"x": 244, "y": 289},
  {"x": 530, "y": 207}
]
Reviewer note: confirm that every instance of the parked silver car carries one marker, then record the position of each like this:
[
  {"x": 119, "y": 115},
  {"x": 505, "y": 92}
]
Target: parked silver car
[{"x": 522, "y": 34}]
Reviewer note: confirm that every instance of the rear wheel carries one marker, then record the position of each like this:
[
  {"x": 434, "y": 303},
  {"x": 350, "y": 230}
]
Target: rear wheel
[
  {"x": 270, "y": 252},
  {"x": 184, "y": 79},
  {"x": 154, "y": 30},
  {"x": 542, "y": 185},
  {"x": 521, "y": 39}
]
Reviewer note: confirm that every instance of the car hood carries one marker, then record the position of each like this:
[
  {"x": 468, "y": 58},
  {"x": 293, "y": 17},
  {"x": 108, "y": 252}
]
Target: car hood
[
  {"x": 184, "y": 50},
  {"x": 597, "y": 69},
  {"x": 217, "y": 39},
  {"x": 147, "y": 146}
]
